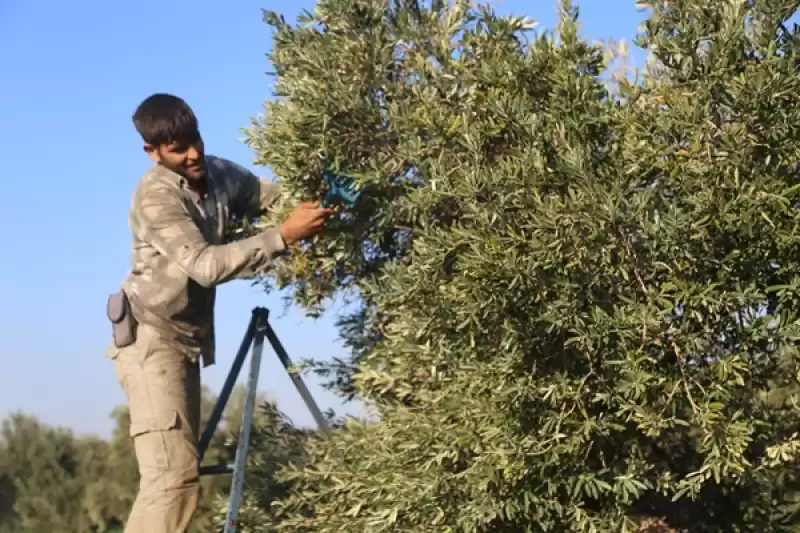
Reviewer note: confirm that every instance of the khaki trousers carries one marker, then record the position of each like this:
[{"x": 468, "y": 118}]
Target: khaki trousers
[{"x": 162, "y": 386}]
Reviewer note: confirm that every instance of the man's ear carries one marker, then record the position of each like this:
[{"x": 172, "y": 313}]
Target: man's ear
[{"x": 152, "y": 152}]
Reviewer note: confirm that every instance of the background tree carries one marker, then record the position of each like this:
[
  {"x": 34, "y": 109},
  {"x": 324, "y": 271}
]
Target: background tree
[
  {"x": 44, "y": 467},
  {"x": 578, "y": 307},
  {"x": 52, "y": 480}
]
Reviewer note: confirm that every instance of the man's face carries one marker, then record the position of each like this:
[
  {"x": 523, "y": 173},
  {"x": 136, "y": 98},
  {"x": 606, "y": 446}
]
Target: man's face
[{"x": 186, "y": 158}]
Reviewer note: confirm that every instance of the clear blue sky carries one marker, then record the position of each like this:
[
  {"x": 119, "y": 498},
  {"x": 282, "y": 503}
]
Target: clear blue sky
[{"x": 71, "y": 74}]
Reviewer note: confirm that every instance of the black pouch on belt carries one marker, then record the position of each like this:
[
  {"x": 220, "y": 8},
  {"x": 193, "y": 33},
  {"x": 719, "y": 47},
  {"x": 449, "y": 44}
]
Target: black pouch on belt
[{"x": 123, "y": 323}]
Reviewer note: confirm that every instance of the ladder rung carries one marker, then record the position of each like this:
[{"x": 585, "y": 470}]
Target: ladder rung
[{"x": 213, "y": 470}]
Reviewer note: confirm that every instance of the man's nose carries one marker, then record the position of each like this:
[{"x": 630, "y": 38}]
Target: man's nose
[{"x": 193, "y": 153}]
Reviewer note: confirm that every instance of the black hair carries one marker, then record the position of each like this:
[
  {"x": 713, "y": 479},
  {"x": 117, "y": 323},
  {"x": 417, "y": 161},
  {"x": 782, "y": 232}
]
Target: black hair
[{"x": 163, "y": 118}]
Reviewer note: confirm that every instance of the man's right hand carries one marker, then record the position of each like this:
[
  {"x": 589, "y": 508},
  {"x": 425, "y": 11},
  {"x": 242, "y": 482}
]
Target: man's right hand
[{"x": 305, "y": 220}]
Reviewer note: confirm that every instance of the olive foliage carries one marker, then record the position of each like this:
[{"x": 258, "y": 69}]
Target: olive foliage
[{"x": 577, "y": 301}]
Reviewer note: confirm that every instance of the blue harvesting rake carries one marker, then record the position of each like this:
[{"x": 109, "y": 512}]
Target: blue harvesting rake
[{"x": 340, "y": 188}]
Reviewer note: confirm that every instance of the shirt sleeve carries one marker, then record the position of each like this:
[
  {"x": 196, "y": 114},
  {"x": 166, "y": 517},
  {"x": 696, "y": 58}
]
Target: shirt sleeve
[{"x": 165, "y": 222}]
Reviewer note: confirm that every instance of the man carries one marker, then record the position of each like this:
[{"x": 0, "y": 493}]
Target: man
[{"x": 163, "y": 317}]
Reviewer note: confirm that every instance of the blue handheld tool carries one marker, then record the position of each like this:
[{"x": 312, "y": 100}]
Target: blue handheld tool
[{"x": 340, "y": 188}]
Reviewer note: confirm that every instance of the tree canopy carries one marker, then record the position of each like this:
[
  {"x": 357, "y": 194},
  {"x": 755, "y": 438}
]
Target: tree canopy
[{"x": 577, "y": 300}]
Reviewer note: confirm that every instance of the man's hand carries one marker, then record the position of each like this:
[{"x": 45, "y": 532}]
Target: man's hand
[{"x": 305, "y": 220}]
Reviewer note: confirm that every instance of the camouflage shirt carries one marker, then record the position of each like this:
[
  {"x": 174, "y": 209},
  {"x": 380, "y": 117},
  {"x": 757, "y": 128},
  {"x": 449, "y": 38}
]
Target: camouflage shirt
[{"x": 179, "y": 255}]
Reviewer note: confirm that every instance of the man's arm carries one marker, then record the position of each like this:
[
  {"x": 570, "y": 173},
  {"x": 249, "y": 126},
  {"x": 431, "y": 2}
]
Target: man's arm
[{"x": 166, "y": 224}]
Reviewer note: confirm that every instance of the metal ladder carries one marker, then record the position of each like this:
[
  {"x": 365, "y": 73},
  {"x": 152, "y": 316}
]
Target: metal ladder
[{"x": 258, "y": 329}]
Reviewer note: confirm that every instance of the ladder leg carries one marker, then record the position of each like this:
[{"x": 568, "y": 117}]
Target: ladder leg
[
  {"x": 296, "y": 379},
  {"x": 237, "y": 484},
  {"x": 257, "y": 330},
  {"x": 227, "y": 388}
]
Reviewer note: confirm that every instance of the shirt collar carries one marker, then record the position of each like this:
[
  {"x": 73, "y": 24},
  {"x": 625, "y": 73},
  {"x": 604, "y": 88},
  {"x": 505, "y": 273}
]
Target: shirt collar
[{"x": 180, "y": 180}]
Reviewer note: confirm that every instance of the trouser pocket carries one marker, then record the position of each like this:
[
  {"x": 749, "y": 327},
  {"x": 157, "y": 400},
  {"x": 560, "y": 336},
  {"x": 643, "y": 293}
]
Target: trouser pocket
[
  {"x": 163, "y": 392},
  {"x": 169, "y": 483},
  {"x": 151, "y": 441}
]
